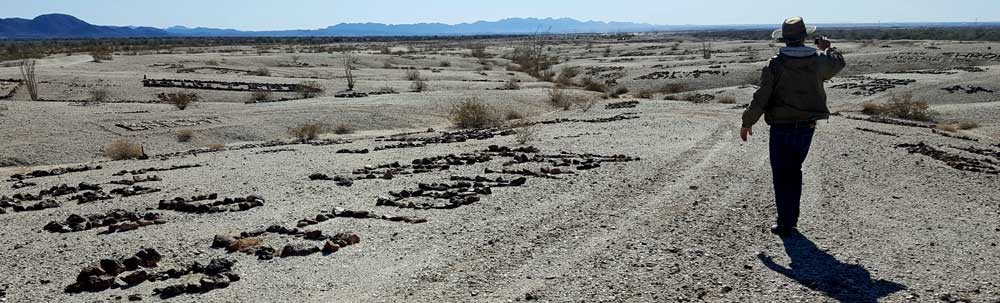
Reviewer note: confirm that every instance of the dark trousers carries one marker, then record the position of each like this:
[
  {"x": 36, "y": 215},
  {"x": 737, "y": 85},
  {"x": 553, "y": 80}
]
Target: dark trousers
[{"x": 789, "y": 147}]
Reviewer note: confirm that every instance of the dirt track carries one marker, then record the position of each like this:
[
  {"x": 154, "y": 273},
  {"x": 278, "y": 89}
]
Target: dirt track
[{"x": 685, "y": 223}]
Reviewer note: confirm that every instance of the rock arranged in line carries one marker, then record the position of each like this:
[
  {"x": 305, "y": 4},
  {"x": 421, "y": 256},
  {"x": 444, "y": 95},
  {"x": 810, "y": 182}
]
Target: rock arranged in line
[
  {"x": 446, "y": 137},
  {"x": 353, "y": 151},
  {"x": 90, "y": 196},
  {"x": 14, "y": 204},
  {"x": 137, "y": 179},
  {"x": 924, "y": 72},
  {"x": 623, "y": 104},
  {"x": 157, "y": 124},
  {"x": 419, "y": 166},
  {"x": 52, "y": 172},
  {"x": 134, "y": 190},
  {"x": 274, "y": 143},
  {"x": 618, "y": 117},
  {"x": 56, "y": 191},
  {"x": 339, "y": 180},
  {"x": 576, "y": 136},
  {"x": 275, "y": 151},
  {"x": 338, "y": 212},
  {"x": 954, "y": 136},
  {"x": 867, "y": 86},
  {"x": 251, "y": 243},
  {"x": 967, "y": 89},
  {"x": 217, "y": 274},
  {"x": 195, "y": 204},
  {"x": 884, "y": 133},
  {"x": 221, "y": 85},
  {"x": 887, "y": 120},
  {"x": 463, "y": 191},
  {"x": 105, "y": 275},
  {"x": 971, "y": 69},
  {"x": 980, "y": 151},
  {"x": 23, "y": 184},
  {"x": 563, "y": 159},
  {"x": 154, "y": 169},
  {"x": 681, "y": 75},
  {"x": 328, "y": 142},
  {"x": 115, "y": 221},
  {"x": 953, "y": 160}
]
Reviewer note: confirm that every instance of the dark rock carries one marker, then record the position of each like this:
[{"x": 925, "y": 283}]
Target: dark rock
[
  {"x": 314, "y": 235},
  {"x": 135, "y": 297},
  {"x": 170, "y": 291},
  {"x": 112, "y": 267},
  {"x": 148, "y": 257},
  {"x": 131, "y": 263},
  {"x": 135, "y": 278},
  {"x": 217, "y": 266},
  {"x": 88, "y": 272},
  {"x": 329, "y": 247},
  {"x": 214, "y": 282},
  {"x": 99, "y": 283},
  {"x": 298, "y": 250}
]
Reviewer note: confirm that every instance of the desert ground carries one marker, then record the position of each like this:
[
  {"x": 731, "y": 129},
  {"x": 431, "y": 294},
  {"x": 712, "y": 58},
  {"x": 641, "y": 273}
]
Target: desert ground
[{"x": 646, "y": 196}]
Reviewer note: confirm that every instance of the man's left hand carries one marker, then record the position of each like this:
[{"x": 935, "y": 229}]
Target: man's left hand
[{"x": 745, "y": 133}]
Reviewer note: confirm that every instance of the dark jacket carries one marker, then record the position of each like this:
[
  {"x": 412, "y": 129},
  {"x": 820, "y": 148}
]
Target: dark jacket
[{"x": 791, "y": 87}]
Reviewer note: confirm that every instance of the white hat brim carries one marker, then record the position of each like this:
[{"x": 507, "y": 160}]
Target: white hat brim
[{"x": 778, "y": 33}]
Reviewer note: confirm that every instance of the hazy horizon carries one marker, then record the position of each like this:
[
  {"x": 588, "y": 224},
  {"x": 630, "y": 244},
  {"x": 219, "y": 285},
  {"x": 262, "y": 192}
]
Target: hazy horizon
[{"x": 255, "y": 15}]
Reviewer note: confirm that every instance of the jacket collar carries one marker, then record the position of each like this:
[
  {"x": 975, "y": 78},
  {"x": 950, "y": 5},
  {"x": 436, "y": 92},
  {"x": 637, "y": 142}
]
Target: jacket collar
[{"x": 797, "y": 51}]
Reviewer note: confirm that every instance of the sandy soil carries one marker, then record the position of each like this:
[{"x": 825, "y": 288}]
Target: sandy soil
[{"x": 891, "y": 213}]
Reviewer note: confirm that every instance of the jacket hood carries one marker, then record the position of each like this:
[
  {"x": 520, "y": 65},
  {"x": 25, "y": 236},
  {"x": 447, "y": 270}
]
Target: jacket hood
[{"x": 798, "y": 51}]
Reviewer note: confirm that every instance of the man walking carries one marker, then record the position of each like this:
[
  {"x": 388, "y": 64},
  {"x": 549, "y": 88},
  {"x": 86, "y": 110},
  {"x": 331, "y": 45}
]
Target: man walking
[{"x": 792, "y": 98}]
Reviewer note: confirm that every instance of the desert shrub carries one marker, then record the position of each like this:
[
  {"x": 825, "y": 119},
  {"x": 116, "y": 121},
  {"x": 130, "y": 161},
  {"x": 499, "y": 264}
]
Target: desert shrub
[
  {"x": 343, "y": 129},
  {"x": 594, "y": 86},
  {"x": 102, "y": 55},
  {"x": 347, "y": 72},
  {"x": 309, "y": 89},
  {"x": 546, "y": 75},
  {"x": 212, "y": 63},
  {"x": 479, "y": 51},
  {"x": 122, "y": 149},
  {"x": 511, "y": 84},
  {"x": 531, "y": 59},
  {"x": 184, "y": 134},
  {"x": 967, "y": 125},
  {"x": 418, "y": 85},
  {"x": 261, "y": 72},
  {"x": 472, "y": 113},
  {"x": 387, "y": 64},
  {"x": 901, "y": 106},
  {"x": 99, "y": 95},
  {"x": 674, "y": 88},
  {"x": 586, "y": 103},
  {"x": 28, "y": 75},
  {"x": 727, "y": 99},
  {"x": 179, "y": 100},
  {"x": 387, "y": 90},
  {"x": 260, "y": 96},
  {"x": 567, "y": 74},
  {"x": 306, "y": 132},
  {"x": 618, "y": 92},
  {"x": 644, "y": 94},
  {"x": 413, "y": 75},
  {"x": 513, "y": 115},
  {"x": 559, "y": 98},
  {"x": 445, "y": 64}
]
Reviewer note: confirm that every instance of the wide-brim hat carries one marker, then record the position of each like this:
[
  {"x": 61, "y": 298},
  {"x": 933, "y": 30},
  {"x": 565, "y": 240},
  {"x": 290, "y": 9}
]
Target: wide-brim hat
[{"x": 793, "y": 29}]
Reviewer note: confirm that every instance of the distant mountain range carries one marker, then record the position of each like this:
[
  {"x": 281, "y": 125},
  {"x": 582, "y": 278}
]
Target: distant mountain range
[{"x": 66, "y": 26}]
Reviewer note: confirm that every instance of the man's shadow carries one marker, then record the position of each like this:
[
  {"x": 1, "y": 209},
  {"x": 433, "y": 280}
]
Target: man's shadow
[{"x": 819, "y": 271}]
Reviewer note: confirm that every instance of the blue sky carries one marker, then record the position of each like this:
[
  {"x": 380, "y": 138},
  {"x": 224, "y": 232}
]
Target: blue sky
[{"x": 309, "y": 14}]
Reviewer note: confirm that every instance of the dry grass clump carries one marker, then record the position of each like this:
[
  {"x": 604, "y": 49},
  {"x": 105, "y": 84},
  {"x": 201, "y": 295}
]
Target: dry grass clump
[
  {"x": 122, "y": 149},
  {"x": 99, "y": 95},
  {"x": 306, "y": 132},
  {"x": 951, "y": 128},
  {"x": 900, "y": 106},
  {"x": 179, "y": 100},
  {"x": 418, "y": 85},
  {"x": 184, "y": 134},
  {"x": 343, "y": 129},
  {"x": 594, "y": 86},
  {"x": 513, "y": 115},
  {"x": 525, "y": 133},
  {"x": 618, "y": 92},
  {"x": 567, "y": 74},
  {"x": 216, "y": 146},
  {"x": 644, "y": 94},
  {"x": 260, "y": 96},
  {"x": 445, "y": 63},
  {"x": 967, "y": 125},
  {"x": 102, "y": 55},
  {"x": 28, "y": 75},
  {"x": 260, "y": 72},
  {"x": 559, "y": 98},
  {"x": 727, "y": 99},
  {"x": 309, "y": 89},
  {"x": 212, "y": 63},
  {"x": 472, "y": 113}
]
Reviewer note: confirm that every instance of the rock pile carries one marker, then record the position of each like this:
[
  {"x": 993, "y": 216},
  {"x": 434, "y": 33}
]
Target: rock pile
[
  {"x": 464, "y": 191},
  {"x": 23, "y": 184},
  {"x": 105, "y": 274},
  {"x": 339, "y": 180},
  {"x": 90, "y": 196},
  {"x": 115, "y": 221},
  {"x": 968, "y": 90},
  {"x": 133, "y": 190},
  {"x": 217, "y": 274},
  {"x": 353, "y": 151},
  {"x": 867, "y": 86},
  {"x": 324, "y": 216},
  {"x": 419, "y": 166},
  {"x": 195, "y": 206}
]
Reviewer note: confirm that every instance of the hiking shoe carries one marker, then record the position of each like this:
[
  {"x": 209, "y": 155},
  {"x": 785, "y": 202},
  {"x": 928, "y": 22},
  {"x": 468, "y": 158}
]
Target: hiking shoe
[{"x": 782, "y": 230}]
